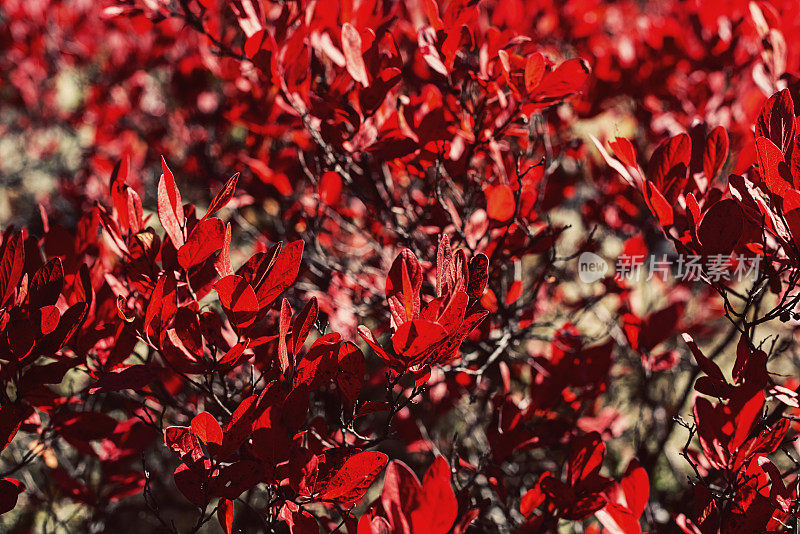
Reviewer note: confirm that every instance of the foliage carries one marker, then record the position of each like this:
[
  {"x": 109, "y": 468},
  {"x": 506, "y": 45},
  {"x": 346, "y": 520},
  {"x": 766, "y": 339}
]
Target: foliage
[{"x": 376, "y": 323}]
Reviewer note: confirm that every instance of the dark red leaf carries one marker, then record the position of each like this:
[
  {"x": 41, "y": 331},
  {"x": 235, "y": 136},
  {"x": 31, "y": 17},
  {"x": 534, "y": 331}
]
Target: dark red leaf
[
  {"x": 46, "y": 285},
  {"x": 130, "y": 377},
  {"x": 478, "y": 275},
  {"x": 191, "y": 481},
  {"x": 84, "y": 426},
  {"x": 11, "y": 417},
  {"x": 721, "y": 227},
  {"x": 586, "y": 457},
  {"x": 10, "y": 488}
]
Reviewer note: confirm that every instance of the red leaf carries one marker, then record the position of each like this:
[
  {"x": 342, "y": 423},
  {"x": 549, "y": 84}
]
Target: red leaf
[
  {"x": 617, "y": 519},
  {"x": 283, "y": 330},
  {"x": 239, "y": 426},
  {"x": 500, "y": 202},
  {"x": 453, "y": 315},
  {"x": 366, "y": 335},
  {"x": 534, "y": 497},
  {"x": 318, "y": 365},
  {"x": 303, "y": 323},
  {"x": 207, "y": 429},
  {"x": 776, "y": 121},
  {"x": 624, "y": 150},
  {"x": 716, "y": 152},
  {"x": 181, "y": 439},
  {"x": 351, "y": 47},
  {"x": 281, "y": 275},
  {"x": 353, "y": 479},
  {"x": 330, "y": 188},
  {"x": 188, "y": 330},
  {"x": 414, "y": 338},
  {"x": 222, "y": 198},
  {"x": 225, "y": 515},
  {"x": 437, "y": 507},
  {"x": 11, "y": 264},
  {"x": 234, "y": 356},
  {"x": 403, "y": 284},
  {"x": 50, "y": 317},
  {"x": 206, "y": 238},
  {"x": 238, "y": 299},
  {"x": 135, "y": 213},
  {"x": 223, "y": 262},
  {"x": 170, "y": 207},
  {"x": 373, "y": 525},
  {"x": 401, "y": 491},
  {"x": 163, "y": 304},
  {"x": 478, "y": 275},
  {"x": 667, "y": 167},
  {"x": 773, "y": 168},
  {"x": 636, "y": 487},
  {"x": 586, "y": 458},
  {"x": 298, "y": 520},
  {"x": 534, "y": 71},
  {"x": 432, "y": 12},
  {"x": 567, "y": 78},
  {"x": 350, "y": 376},
  {"x": 444, "y": 257},
  {"x": 658, "y": 204}
]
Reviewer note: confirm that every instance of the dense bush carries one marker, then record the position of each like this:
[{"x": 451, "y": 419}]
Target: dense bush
[{"x": 385, "y": 320}]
